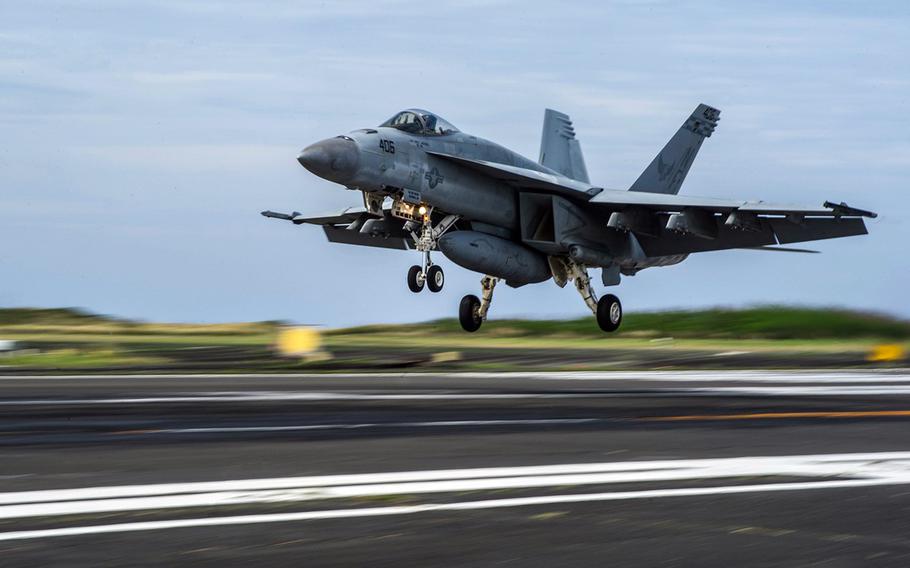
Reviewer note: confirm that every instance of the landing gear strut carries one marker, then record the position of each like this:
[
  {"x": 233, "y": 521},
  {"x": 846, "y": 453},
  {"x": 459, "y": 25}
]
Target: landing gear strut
[
  {"x": 472, "y": 311},
  {"x": 607, "y": 310},
  {"x": 429, "y": 274}
]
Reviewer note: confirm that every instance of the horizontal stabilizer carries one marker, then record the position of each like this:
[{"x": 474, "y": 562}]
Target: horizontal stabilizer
[{"x": 784, "y": 249}]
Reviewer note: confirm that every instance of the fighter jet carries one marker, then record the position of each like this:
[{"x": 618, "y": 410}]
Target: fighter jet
[{"x": 428, "y": 186}]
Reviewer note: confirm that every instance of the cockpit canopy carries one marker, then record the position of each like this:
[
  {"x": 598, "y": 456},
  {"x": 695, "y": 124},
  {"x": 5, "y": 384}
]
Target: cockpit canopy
[{"x": 417, "y": 121}]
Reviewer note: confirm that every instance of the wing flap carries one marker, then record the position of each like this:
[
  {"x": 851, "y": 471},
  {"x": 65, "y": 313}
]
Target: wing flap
[{"x": 816, "y": 229}]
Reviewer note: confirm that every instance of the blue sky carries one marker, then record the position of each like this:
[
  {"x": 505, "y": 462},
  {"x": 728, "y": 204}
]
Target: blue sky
[{"x": 141, "y": 139}]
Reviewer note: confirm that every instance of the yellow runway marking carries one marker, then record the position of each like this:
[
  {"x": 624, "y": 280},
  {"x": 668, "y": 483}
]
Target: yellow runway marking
[{"x": 782, "y": 415}]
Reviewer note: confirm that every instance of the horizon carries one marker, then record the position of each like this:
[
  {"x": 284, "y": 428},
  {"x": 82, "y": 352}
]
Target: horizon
[{"x": 86, "y": 312}]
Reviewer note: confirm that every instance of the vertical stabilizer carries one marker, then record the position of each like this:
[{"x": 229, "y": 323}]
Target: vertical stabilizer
[
  {"x": 666, "y": 173},
  {"x": 559, "y": 150}
]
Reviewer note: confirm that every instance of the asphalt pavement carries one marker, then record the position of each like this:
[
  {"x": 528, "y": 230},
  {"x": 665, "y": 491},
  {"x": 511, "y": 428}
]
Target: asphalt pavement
[{"x": 701, "y": 468}]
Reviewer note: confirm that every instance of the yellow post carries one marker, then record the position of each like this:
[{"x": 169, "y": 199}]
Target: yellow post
[
  {"x": 887, "y": 352},
  {"x": 298, "y": 342}
]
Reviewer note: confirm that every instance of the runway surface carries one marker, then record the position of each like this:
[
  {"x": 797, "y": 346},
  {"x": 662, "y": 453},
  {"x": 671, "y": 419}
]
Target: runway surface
[{"x": 583, "y": 469}]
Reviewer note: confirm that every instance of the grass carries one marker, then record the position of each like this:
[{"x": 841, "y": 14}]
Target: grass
[
  {"x": 75, "y": 338},
  {"x": 767, "y": 323},
  {"x": 75, "y": 358},
  {"x": 444, "y": 341}
]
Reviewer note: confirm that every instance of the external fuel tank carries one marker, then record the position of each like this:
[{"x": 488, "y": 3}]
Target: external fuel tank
[{"x": 495, "y": 256}]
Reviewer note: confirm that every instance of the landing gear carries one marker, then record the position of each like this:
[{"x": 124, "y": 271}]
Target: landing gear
[
  {"x": 429, "y": 274},
  {"x": 473, "y": 311},
  {"x": 435, "y": 278},
  {"x": 469, "y": 313},
  {"x": 609, "y": 313},
  {"x": 607, "y": 310},
  {"x": 416, "y": 279}
]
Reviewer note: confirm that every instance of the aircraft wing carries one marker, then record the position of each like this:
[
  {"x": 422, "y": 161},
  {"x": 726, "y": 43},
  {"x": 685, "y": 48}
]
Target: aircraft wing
[
  {"x": 616, "y": 199},
  {"x": 666, "y": 224},
  {"x": 345, "y": 217},
  {"x": 522, "y": 178},
  {"x": 355, "y": 227}
]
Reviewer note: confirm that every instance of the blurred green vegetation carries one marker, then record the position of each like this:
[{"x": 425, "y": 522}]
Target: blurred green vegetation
[
  {"x": 758, "y": 323},
  {"x": 97, "y": 357},
  {"x": 71, "y": 338},
  {"x": 70, "y": 324},
  {"x": 766, "y": 322}
]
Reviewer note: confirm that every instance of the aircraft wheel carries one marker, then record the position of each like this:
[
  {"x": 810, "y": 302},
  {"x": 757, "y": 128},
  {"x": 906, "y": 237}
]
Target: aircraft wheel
[
  {"x": 435, "y": 278},
  {"x": 609, "y": 313},
  {"x": 416, "y": 279},
  {"x": 469, "y": 313}
]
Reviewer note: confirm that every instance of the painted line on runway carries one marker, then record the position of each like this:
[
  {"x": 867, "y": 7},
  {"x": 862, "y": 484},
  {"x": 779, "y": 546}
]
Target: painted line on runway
[
  {"x": 784, "y": 376},
  {"x": 436, "y": 507},
  {"x": 358, "y": 426},
  {"x": 782, "y": 415},
  {"x": 271, "y": 396},
  {"x": 515, "y": 422},
  {"x": 877, "y": 468}
]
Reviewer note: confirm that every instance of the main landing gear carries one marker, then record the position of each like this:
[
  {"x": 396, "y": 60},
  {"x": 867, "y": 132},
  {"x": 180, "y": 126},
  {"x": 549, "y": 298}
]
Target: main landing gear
[
  {"x": 607, "y": 310},
  {"x": 472, "y": 312},
  {"x": 429, "y": 274}
]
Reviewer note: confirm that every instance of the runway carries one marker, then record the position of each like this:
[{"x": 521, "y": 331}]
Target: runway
[{"x": 474, "y": 469}]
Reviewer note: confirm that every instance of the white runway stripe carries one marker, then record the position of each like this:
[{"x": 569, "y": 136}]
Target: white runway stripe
[
  {"x": 359, "y": 426},
  {"x": 883, "y": 468},
  {"x": 268, "y": 396},
  {"x": 460, "y": 506},
  {"x": 271, "y": 396},
  {"x": 782, "y": 376}
]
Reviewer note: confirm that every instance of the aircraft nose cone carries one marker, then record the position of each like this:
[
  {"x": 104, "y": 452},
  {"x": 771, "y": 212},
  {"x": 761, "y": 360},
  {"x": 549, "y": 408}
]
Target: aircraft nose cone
[{"x": 335, "y": 159}]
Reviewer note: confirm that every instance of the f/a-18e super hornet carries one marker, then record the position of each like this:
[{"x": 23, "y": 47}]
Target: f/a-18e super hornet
[{"x": 493, "y": 211}]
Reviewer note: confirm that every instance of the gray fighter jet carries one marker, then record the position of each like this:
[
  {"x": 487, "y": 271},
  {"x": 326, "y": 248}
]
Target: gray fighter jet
[{"x": 428, "y": 186}]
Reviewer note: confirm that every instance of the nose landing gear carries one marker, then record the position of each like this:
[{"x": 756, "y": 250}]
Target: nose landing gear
[
  {"x": 416, "y": 279},
  {"x": 435, "y": 278},
  {"x": 429, "y": 274}
]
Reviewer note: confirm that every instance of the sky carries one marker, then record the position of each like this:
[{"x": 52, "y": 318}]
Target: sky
[{"x": 140, "y": 140}]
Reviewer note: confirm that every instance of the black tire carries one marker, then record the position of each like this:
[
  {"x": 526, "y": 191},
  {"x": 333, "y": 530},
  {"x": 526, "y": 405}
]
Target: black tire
[
  {"x": 435, "y": 278},
  {"x": 415, "y": 283},
  {"x": 467, "y": 313},
  {"x": 609, "y": 313}
]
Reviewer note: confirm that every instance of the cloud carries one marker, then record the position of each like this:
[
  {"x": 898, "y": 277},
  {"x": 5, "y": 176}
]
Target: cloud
[
  {"x": 195, "y": 77},
  {"x": 188, "y": 157}
]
